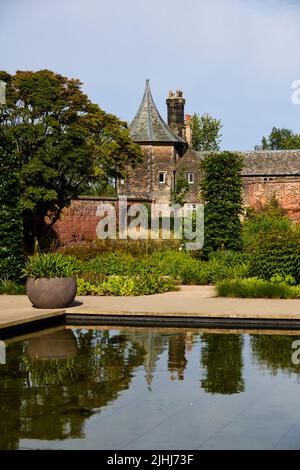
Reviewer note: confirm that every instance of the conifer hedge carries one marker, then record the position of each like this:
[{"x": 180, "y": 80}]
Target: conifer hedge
[{"x": 221, "y": 190}]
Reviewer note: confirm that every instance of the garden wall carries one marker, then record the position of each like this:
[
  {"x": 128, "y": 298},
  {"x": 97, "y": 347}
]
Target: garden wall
[
  {"x": 285, "y": 190},
  {"x": 79, "y": 221}
]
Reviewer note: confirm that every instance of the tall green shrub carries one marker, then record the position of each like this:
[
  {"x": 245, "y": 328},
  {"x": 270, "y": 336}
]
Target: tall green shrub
[
  {"x": 221, "y": 190},
  {"x": 276, "y": 252},
  {"x": 272, "y": 218},
  {"x": 11, "y": 236}
]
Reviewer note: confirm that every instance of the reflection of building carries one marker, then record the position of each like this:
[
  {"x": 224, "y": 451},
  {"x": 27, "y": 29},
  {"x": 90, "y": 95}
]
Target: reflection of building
[
  {"x": 177, "y": 360},
  {"x": 154, "y": 344}
]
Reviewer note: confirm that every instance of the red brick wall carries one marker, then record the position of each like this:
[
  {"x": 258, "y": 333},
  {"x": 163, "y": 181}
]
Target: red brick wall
[
  {"x": 79, "y": 221},
  {"x": 286, "y": 191}
]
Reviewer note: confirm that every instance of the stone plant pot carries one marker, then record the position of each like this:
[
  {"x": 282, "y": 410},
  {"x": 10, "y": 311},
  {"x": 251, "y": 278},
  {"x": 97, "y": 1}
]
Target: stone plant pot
[{"x": 55, "y": 292}]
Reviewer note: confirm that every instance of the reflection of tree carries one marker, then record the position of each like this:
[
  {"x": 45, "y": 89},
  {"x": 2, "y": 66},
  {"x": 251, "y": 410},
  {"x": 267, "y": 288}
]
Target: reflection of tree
[
  {"x": 177, "y": 360},
  {"x": 274, "y": 353},
  {"x": 56, "y": 408},
  {"x": 222, "y": 360},
  {"x": 11, "y": 386}
]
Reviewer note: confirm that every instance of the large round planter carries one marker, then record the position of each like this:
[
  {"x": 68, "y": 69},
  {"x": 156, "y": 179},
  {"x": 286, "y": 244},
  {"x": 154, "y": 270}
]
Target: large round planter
[{"x": 56, "y": 292}]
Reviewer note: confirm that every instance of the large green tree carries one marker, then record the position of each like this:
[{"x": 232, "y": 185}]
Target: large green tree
[
  {"x": 206, "y": 133},
  {"x": 60, "y": 140},
  {"x": 221, "y": 191},
  {"x": 280, "y": 139}
]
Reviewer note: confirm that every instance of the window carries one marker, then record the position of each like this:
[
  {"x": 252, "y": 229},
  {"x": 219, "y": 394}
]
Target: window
[
  {"x": 162, "y": 177},
  {"x": 191, "y": 178},
  {"x": 122, "y": 181},
  {"x": 267, "y": 179}
]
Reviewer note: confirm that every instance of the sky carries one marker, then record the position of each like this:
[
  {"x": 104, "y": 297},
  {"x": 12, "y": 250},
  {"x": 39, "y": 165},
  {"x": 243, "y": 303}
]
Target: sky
[{"x": 233, "y": 59}]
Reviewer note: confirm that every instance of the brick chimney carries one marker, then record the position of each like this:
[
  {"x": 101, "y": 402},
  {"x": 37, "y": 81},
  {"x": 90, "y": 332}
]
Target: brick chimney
[{"x": 175, "y": 104}]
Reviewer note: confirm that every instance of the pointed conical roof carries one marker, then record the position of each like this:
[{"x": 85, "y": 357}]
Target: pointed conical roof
[{"x": 148, "y": 125}]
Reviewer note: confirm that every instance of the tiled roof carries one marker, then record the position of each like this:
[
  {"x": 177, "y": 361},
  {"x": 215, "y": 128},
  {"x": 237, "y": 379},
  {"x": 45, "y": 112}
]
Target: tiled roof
[
  {"x": 148, "y": 125},
  {"x": 268, "y": 162}
]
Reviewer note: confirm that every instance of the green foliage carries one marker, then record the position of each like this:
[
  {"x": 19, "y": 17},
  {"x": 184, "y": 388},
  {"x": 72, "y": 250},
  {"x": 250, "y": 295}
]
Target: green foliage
[
  {"x": 144, "y": 284},
  {"x": 111, "y": 264},
  {"x": 273, "y": 352},
  {"x": 88, "y": 287},
  {"x": 222, "y": 363},
  {"x": 11, "y": 233},
  {"x": 206, "y": 134},
  {"x": 49, "y": 372},
  {"x": 273, "y": 244},
  {"x": 261, "y": 224},
  {"x": 181, "y": 189},
  {"x": 289, "y": 280},
  {"x": 9, "y": 287},
  {"x": 60, "y": 140},
  {"x": 51, "y": 265},
  {"x": 221, "y": 190},
  {"x": 276, "y": 253},
  {"x": 85, "y": 251},
  {"x": 256, "y": 288},
  {"x": 180, "y": 266},
  {"x": 227, "y": 265},
  {"x": 280, "y": 139},
  {"x": 97, "y": 187}
]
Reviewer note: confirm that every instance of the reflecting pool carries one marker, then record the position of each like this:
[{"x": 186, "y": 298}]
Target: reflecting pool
[{"x": 150, "y": 388}]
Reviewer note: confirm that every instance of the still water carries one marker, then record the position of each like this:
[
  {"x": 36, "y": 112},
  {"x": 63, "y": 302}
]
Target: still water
[{"x": 150, "y": 388}]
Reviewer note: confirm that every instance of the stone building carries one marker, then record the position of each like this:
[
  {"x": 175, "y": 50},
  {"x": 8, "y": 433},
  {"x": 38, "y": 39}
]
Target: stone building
[{"x": 168, "y": 154}]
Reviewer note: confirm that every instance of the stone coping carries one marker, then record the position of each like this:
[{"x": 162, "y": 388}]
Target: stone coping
[{"x": 190, "y": 303}]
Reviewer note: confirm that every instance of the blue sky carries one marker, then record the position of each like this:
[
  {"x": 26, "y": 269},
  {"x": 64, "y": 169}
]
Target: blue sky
[{"x": 235, "y": 59}]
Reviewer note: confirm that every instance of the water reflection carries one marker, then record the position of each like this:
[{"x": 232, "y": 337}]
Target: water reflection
[
  {"x": 274, "y": 353},
  {"x": 176, "y": 356},
  {"x": 50, "y": 399},
  {"x": 54, "y": 381},
  {"x": 222, "y": 361}
]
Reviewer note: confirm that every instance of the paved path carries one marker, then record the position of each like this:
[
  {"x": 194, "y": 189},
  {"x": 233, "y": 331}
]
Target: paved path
[
  {"x": 189, "y": 301},
  {"x": 17, "y": 309}
]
